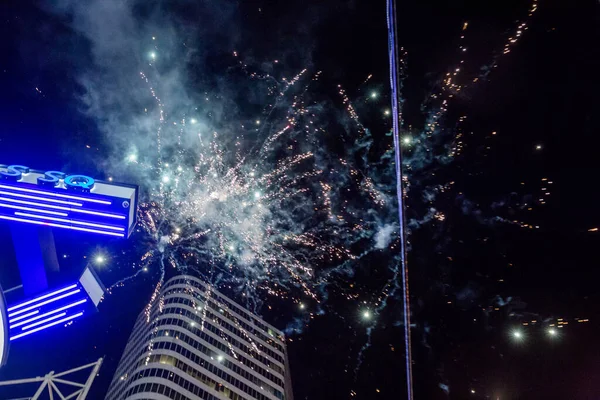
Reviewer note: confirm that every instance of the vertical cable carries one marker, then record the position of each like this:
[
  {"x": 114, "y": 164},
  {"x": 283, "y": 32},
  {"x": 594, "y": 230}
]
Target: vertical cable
[{"x": 396, "y": 101}]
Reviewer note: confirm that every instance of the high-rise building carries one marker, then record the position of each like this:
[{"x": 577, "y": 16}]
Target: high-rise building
[{"x": 193, "y": 342}]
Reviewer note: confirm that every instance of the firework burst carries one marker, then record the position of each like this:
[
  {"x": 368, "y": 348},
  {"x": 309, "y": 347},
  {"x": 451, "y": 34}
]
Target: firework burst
[{"x": 262, "y": 208}]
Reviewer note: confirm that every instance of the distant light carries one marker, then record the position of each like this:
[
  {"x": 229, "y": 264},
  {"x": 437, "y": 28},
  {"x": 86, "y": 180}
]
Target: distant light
[
  {"x": 366, "y": 314},
  {"x": 473, "y": 391},
  {"x": 256, "y": 195},
  {"x": 152, "y": 55},
  {"x": 231, "y": 247},
  {"x": 517, "y": 335},
  {"x": 145, "y": 269},
  {"x": 538, "y": 147},
  {"x": 302, "y": 306},
  {"x": 258, "y": 122},
  {"x": 406, "y": 140},
  {"x": 165, "y": 179},
  {"x": 177, "y": 229},
  {"x": 374, "y": 95},
  {"x": 192, "y": 324},
  {"x": 179, "y": 168},
  {"x": 132, "y": 157},
  {"x": 252, "y": 173},
  {"x": 552, "y": 332},
  {"x": 99, "y": 259},
  {"x": 220, "y": 358},
  {"x": 193, "y": 120},
  {"x": 387, "y": 112}
]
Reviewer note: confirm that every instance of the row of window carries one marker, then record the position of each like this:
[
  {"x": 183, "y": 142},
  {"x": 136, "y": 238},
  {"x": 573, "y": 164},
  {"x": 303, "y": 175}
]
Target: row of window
[
  {"x": 130, "y": 354},
  {"x": 223, "y": 326},
  {"x": 200, "y": 285},
  {"x": 165, "y": 391},
  {"x": 212, "y": 297},
  {"x": 161, "y": 372},
  {"x": 173, "y": 346},
  {"x": 141, "y": 328},
  {"x": 230, "y": 338},
  {"x": 128, "y": 365},
  {"x": 223, "y": 311},
  {"x": 178, "y": 363},
  {"x": 221, "y": 346},
  {"x": 186, "y": 301},
  {"x": 198, "y": 330}
]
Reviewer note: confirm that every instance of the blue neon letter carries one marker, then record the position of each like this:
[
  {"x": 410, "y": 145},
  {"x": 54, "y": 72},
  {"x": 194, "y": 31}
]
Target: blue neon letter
[
  {"x": 50, "y": 178},
  {"x": 80, "y": 183},
  {"x": 14, "y": 172}
]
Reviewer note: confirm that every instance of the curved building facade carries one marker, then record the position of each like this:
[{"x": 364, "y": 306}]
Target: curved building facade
[{"x": 193, "y": 342}]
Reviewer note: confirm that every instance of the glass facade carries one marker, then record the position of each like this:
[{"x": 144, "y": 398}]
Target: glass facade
[{"x": 194, "y": 342}]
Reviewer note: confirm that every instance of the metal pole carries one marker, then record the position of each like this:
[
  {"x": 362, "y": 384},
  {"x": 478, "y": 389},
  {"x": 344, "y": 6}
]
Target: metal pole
[
  {"x": 37, "y": 394},
  {"x": 396, "y": 112},
  {"x": 49, "y": 379},
  {"x": 90, "y": 380}
]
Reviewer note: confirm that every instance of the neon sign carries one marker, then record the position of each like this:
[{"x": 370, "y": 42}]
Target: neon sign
[
  {"x": 59, "y": 306},
  {"x": 67, "y": 201},
  {"x": 50, "y": 179}
]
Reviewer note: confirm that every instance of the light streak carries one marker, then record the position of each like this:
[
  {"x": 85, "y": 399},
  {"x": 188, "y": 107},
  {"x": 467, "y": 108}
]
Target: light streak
[
  {"x": 34, "y": 209},
  {"x": 26, "y": 196},
  {"x": 43, "y": 315},
  {"x": 45, "y": 296},
  {"x": 60, "y": 321},
  {"x": 64, "y": 196},
  {"x": 69, "y": 221},
  {"x": 61, "y": 226},
  {"x": 52, "y": 300},
  {"x": 26, "y": 327}
]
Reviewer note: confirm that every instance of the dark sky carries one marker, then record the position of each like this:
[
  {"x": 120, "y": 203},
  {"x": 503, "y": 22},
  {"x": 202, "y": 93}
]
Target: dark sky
[{"x": 543, "y": 93}]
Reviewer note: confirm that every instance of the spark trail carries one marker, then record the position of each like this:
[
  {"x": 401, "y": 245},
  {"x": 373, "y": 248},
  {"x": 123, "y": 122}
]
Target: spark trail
[{"x": 266, "y": 209}]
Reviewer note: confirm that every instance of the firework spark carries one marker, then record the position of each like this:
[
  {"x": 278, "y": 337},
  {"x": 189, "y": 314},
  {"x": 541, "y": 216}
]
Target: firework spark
[{"x": 259, "y": 215}]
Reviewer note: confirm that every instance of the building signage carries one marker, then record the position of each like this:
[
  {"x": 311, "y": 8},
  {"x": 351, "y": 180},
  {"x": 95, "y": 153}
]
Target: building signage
[
  {"x": 56, "y": 307},
  {"x": 67, "y": 201}
]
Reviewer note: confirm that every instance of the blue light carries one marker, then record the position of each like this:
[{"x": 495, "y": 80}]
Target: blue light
[
  {"x": 69, "y": 221},
  {"x": 70, "y": 318},
  {"x": 65, "y": 196},
  {"x": 61, "y": 226},
  {"x": 63, "y": 208},
  {"x": 45, "y": 314},
  {"x": 45, "y": 296},
  {"x": 33, "y": 209},
  {"x": 20, "y": 317},
  {"x": 26, "y": 196},
  {"x": 79, "y": 182},
  {"x": 14, "y": 172},
  {"x": 45, "y": 320},
  {"x": 44, "y": 302},
  {"x": 77, "y": 197},
  {"x": 117, "y": 216},
  {"x": 31, "y": 203}
]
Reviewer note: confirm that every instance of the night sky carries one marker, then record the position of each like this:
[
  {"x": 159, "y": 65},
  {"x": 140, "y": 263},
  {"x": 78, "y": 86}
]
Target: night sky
[{"x": 478, "y": 272}]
